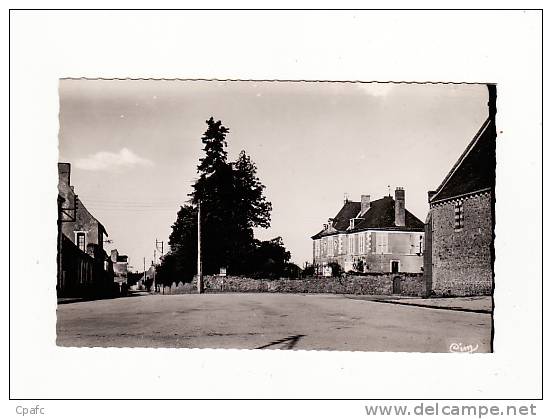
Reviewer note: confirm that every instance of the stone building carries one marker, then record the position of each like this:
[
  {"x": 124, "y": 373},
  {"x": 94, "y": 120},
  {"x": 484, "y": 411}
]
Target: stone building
[
  {"x": 460, "y": 223},
  {"x": 84, "y": 269},
  {"x": 371, "y": 236}
]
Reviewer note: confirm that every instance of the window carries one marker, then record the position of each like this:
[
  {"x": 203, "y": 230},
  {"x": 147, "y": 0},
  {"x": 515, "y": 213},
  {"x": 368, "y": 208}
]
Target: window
[
  {"x": 81, "y": 241},
  {"x": 382, "y": 243},
  {"x": 458, "y": 215}
]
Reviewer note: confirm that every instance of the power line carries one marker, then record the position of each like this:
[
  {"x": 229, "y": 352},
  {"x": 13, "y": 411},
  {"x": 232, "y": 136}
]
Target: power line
[
  {"x": 145, "y": 210},
  {"x": 133, "y": 203}
]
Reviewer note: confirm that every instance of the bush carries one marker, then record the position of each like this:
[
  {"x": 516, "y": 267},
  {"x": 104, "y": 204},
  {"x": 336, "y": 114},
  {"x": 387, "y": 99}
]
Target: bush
[{"x": 309, "y": 271}]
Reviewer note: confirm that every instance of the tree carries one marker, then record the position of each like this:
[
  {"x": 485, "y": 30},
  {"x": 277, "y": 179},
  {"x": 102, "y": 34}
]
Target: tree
[
  {"x": 214, "y": 190},
  {"x": 250, "y": 210},
  {"x": 270, "y": 258},
  {"x": 214, "y": 140},
  {"x": 232, "y": 205},
  {"x": 180, "y": 263}
]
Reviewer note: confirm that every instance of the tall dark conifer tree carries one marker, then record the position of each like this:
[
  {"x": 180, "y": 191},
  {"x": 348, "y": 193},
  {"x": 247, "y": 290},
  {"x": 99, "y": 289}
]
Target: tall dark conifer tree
[
  {"x": 232, "y": 205},
  {"x": 214, "y": 190}
]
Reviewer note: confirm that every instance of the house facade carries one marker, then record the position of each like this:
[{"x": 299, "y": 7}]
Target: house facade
[
  {"x": 84, "y": 269},
  {"x": 371, "y": 236},
  {"x": 460, "y": 223}
]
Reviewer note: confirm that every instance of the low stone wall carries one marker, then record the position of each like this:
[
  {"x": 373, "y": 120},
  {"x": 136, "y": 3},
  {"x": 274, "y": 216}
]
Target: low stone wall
[
  {"x": 372, "y": 284},
  {"x": 180, "y": 288}
]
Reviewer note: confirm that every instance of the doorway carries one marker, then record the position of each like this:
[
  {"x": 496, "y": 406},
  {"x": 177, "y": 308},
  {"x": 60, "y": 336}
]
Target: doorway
[{"x": 397, "y": 285}]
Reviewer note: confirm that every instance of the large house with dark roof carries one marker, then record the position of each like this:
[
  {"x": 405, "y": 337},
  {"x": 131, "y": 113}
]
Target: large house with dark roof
[
  {"x": 371, "y": 236},
  {"x": 460, "y": 223}
]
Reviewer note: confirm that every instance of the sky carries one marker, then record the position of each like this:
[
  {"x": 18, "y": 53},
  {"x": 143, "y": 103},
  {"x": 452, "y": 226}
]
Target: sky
[{"x": 134, "y": 146}]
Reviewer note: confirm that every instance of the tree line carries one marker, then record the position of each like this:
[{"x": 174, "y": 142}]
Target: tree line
[{"x": 232, "y": 204}]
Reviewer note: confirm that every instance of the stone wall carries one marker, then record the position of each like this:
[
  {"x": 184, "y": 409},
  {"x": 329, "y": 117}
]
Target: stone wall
[
  {"x": 461, "y": 261},
  {"x": 371, "y": 284}
]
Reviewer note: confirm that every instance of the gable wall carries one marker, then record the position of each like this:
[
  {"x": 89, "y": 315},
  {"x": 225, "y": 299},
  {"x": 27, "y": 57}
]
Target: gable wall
[{"x": 461, "y": 261}]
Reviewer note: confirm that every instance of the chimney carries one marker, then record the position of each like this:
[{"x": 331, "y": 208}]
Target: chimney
[
  {"x": 399, "y": 207},
  {"x": 364, "y": 203},
  {"x": 64, "y": 172}
]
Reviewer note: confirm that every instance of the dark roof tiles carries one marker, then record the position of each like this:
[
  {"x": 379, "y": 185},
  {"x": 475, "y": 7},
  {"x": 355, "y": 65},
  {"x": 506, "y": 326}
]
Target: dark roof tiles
[
  {"x": 380, "y": 215},
  {"x": 475, "y": 169}
]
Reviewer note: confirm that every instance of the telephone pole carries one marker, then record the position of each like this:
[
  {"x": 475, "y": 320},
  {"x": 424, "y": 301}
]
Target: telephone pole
[
  {"x": 157, "y": 243},
  {"x": 199, "y": 270},
  {"x": 154, "y": 269},
  {"x": 144, "y": 270}
]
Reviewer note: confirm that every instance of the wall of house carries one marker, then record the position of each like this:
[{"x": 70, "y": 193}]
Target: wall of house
[
  {"x": 82, "y": 274},
  {"x": 84, "y": 222},
  {"x": 382, "y": 263},
  {"x": 428, "y": 253},
  {"x": 461, "y": 260},
  {"x": 375, "y": 284},
  {"x": 375, "y": 248}
]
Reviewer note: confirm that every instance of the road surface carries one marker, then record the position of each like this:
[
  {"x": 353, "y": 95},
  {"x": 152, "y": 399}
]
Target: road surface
[{"x": 270, "y": 321}]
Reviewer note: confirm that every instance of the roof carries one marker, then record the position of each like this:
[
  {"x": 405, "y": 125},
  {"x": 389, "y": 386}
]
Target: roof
[
  {"x": 474, "y": 171},
  {"x": 100, "y": 225},
  {"x": 380, "y": 216},
  {"x": 349, "y": 210}
]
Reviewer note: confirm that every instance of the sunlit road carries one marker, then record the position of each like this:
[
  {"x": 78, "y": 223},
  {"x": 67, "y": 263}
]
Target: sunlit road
[{"x": 271, "y": 321}]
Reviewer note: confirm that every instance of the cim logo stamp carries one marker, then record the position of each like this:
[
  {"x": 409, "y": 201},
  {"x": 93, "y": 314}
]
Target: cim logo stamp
[{"x": 459, "y": 347}]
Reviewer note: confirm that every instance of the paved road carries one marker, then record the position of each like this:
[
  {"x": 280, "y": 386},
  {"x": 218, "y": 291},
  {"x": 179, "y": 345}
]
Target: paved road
[{"x": 272, "y": 321}]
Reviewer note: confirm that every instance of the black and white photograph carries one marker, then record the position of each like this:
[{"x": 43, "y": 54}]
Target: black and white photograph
[
  {"x": 275, "y": 212},
  {"x": 276, "y": 215}
]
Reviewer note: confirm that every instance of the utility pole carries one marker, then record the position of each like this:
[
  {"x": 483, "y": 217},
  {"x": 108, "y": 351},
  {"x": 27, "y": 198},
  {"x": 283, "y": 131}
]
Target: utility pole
[
  {"x": 157, "y": 243},
  {"x": 144, "y": 270},
  {"x": 199, "y": 270},
  {"x": 154, "y": 269}
]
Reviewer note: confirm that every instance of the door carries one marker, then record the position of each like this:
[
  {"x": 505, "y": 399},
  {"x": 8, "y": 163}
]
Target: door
[
  {"x": 397, "y": 285},
  {"x": 395, "y": 266}
]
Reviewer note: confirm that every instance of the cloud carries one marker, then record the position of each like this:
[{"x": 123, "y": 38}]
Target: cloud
[
  {"x": 377, "y": 89},
  {"x": 112, "y": 162}
]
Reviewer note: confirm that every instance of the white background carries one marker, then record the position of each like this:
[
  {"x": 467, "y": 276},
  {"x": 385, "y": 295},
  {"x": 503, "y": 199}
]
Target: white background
[{"x": 500, "y": 47}]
